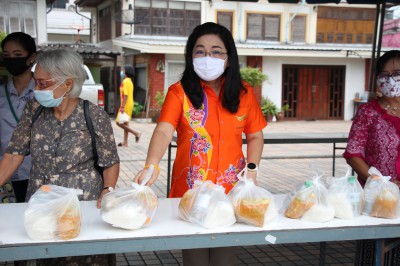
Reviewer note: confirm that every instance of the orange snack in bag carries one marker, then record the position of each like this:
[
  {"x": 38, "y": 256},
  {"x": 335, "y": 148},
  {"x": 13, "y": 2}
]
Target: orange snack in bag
[
  {"x": 253, "y": 211},
  {"x": 297, "y": 208},
  {"x": 69, "y": 225},
  {"x": 385, "y": 206}
]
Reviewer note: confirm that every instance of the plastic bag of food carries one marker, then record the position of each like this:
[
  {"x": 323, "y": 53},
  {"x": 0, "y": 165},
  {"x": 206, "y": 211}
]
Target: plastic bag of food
[
  {"x": 252, "y": 204},
  {"x": 381, "y": 196},
  {"x": 130, "y": 208},
  {"x": 207, "y": 205},
  {"x": 123, "y": 118},
  {"x": 53, "y": 212},
  {"x": 346, "y": 195},
  {"x": 308, "y": 202}
]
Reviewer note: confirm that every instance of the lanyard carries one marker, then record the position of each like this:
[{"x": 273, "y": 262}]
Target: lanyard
[{"x": 10, "y": 104}]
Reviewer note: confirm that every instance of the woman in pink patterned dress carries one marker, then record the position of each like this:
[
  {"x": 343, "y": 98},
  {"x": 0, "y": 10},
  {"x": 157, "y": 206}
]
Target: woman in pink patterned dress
[{"x": 374, "y": 138}]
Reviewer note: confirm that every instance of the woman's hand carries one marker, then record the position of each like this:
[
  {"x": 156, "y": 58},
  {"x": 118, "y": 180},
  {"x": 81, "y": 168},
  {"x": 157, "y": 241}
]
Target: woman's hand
[
  {"x": 105, "y": 191},
  {"x": 142, "y": 174}
]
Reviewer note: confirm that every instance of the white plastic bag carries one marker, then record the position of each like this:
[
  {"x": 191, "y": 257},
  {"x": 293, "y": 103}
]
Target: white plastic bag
[
  {"x": 381, "y": 196},
  {"x": 53, "y": 212},
  {"x": 308, "y": 202},
  {"x": 130, "y": 208},
  {"x": 253, "y": 205},
  {"x": 207, "y": 205},
  {"x": 346, "y": 195},
  {"x": 123, "y": 118}
]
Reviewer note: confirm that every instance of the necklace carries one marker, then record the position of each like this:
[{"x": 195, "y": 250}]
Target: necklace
[{"x": 391, "y": 109}]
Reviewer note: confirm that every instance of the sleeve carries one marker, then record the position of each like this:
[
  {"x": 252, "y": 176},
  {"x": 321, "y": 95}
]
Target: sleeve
[
  {"x": 127, "y": 86},
  {"x": 358, "y": 136},
  {"x": 105, "y": 141},
  {"x": 21, "y": 137},
  {"x": 256, "y": 120},
  {"x": 171, "y": 111}
]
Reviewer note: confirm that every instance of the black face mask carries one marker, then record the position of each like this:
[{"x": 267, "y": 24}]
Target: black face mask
[{"x": 16, "y": 65}]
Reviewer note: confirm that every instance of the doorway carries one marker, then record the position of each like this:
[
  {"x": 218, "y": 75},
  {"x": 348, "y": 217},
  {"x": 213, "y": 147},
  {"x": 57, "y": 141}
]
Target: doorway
[{"x": 313, "y": 92}]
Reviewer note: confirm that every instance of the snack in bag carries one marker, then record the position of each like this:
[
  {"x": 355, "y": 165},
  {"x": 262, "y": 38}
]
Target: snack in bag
[
  {"x": 53, "y": 213},
  {"x": 123, "y": 118},
  {"x": 207, "y": 205},
  {"x": 346, "y": 195},
  {"x": 130, "y": 208},
  {"x": 253, "y": 205},
  {"x": 308, "y": 202},
  {"x": 381, "y": 196}
]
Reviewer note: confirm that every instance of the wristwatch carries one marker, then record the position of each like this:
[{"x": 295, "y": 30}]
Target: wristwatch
[
  {"x": 252, "y": 167},
  {"x": 108, "y": 188}
]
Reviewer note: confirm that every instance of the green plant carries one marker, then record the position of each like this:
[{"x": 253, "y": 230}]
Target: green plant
[
  {"x": 2, "y": 36},
  {"x": 137, "y": 108},
  {"x": 253, "y": 76},
  {"x": 268, "y": 107},
  {"x": 285, "y": 108},
  {"x": 160, "y": 98}
]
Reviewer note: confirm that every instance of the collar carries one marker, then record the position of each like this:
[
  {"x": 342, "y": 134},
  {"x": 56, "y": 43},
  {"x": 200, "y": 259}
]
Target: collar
[{"x": 28, "y": 90}]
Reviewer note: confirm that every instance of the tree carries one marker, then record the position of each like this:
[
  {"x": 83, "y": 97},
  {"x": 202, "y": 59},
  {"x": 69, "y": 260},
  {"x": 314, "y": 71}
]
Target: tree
[{"x": 253, "y": 76}]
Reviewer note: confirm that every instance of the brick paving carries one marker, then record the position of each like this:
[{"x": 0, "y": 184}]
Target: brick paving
[{"x": 283, "y": 167}]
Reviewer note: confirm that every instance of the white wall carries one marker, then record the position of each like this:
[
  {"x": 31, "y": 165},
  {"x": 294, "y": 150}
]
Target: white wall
[{"x": 355, "y": 82}]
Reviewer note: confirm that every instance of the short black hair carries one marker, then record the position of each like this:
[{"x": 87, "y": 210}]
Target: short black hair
[
  {"x": 233, "y": 84},
  {"x": 129, "y": 71},
  {"x": 385, "y": 58},
  {"x": 23, "y": 39}
]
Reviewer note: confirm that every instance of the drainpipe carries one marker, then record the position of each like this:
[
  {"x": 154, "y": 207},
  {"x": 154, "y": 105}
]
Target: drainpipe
[
  {"x": 291, "y": 19},
  {"x": 240, "y": 7},
  {"x": 90, "y": 21}
]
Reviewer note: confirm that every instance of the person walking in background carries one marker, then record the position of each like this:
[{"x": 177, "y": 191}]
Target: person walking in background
[
  {"x": 210, "y": 108},
  {"x": 374, "y": 138},
  {"x": 126, "y": 92},
  {"x": 60, "y": 142},
  {"x": 19, "y": 54}
]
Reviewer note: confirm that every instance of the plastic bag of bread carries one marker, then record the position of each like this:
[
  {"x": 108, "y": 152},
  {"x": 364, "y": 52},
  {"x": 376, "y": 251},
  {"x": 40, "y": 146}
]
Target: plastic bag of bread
[
  {"x": 308, "y": 202},
  {"x": 207, "y": 205},
  {"x": 130, "y": 208},
  {"x": 381, "y": 196},
  {"x": 53, "y": 213},
  {"x": 253, "y": 205},
  {"x": 346, "y": 195}
]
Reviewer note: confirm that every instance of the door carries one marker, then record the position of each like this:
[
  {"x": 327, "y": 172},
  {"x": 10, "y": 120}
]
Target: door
[{"x": 313, "y": 92}]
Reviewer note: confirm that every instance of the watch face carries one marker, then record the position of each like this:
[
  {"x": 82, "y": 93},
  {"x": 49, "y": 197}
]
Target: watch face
[{"x": 251, "y": 166}]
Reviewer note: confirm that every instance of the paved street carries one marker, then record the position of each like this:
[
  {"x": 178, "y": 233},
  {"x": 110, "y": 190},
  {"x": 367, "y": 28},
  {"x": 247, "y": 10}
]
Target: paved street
[{"x": 283, "y": 167}]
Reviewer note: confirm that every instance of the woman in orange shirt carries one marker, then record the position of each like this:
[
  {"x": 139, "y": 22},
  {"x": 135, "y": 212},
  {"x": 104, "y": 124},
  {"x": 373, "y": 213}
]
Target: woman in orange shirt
[{"x": 209, "y": 108}]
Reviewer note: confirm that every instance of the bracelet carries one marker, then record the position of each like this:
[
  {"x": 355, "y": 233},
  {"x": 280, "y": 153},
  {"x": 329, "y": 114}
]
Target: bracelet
[{"x": 155, "y": 167}]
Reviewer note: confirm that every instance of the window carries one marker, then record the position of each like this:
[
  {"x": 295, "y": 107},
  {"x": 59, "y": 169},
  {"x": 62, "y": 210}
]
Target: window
[
  {"x": 225, "y": 19},
  {"x": 340, "y": 25},
  {"x": 263, "y": 27},
  {"x": 166, "y": 18},
  {"x": 105, "y": 24},
  {"x": 30, "y": 26},
  {"x": 299, "y": 29}
]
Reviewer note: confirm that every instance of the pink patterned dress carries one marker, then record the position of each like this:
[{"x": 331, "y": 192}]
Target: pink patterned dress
[{"x": 375, "y": 137}]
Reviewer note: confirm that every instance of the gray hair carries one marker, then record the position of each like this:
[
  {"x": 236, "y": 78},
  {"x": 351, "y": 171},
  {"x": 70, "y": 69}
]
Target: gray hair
[{"x": 62, "y": 64}]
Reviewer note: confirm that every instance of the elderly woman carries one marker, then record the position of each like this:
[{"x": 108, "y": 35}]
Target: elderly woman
[{"x": 59, "y": 140}]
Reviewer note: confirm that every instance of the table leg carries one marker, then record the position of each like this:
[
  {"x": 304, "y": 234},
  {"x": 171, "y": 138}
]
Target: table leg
[
  {"x": 169, "y": 169},
  {"x": 322, "y": 252},
  {"x": 334, "y": 158}
]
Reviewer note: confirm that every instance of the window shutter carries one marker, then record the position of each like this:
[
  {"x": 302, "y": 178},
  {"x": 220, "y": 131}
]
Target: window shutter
[
  {"x": 272, "y": 27},
  {"x": 30, "y": 27},
  {"x": 13, "y": 24}
]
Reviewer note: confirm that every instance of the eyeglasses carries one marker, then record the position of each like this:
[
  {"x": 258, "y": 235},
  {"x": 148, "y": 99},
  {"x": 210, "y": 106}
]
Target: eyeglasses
[
  {"x": 212, "y": 53},
  {"x": 384, "y": 77},
  {"x": 44, "y": 83}
]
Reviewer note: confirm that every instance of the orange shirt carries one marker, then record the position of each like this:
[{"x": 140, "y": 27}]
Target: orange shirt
[{"x": 209, "y": 139}]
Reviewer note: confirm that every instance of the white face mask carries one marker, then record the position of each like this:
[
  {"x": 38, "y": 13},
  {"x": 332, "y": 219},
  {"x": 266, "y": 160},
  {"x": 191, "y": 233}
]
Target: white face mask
[
  {"x": 208, "y": 68},
  {"x": 390, "y": 88}
]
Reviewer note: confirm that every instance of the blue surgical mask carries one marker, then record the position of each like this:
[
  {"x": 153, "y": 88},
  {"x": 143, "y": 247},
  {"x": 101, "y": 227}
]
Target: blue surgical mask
[
  {"x": 122, "y": 74},
  {"x": 46, "y": 97}
]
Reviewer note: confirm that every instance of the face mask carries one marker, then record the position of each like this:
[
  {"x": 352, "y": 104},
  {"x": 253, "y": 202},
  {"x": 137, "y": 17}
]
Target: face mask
[
  {"x": 16, "y": 65},
  {"x": 46, "y": 97},
  {"x": 208, "y": 68},
  {"x": 122, "y": 74},
  {"x": 390, "y": 88}
]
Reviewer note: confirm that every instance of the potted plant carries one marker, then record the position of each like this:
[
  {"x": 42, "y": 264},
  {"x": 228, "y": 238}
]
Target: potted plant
[
  {"x": 280, "y": 115},
  {"x": 159, "y": 98},
  {"x": 137, "y": 109},
  {"x": 268, "y": 108},
  {"x": 253, "y": 76}
]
